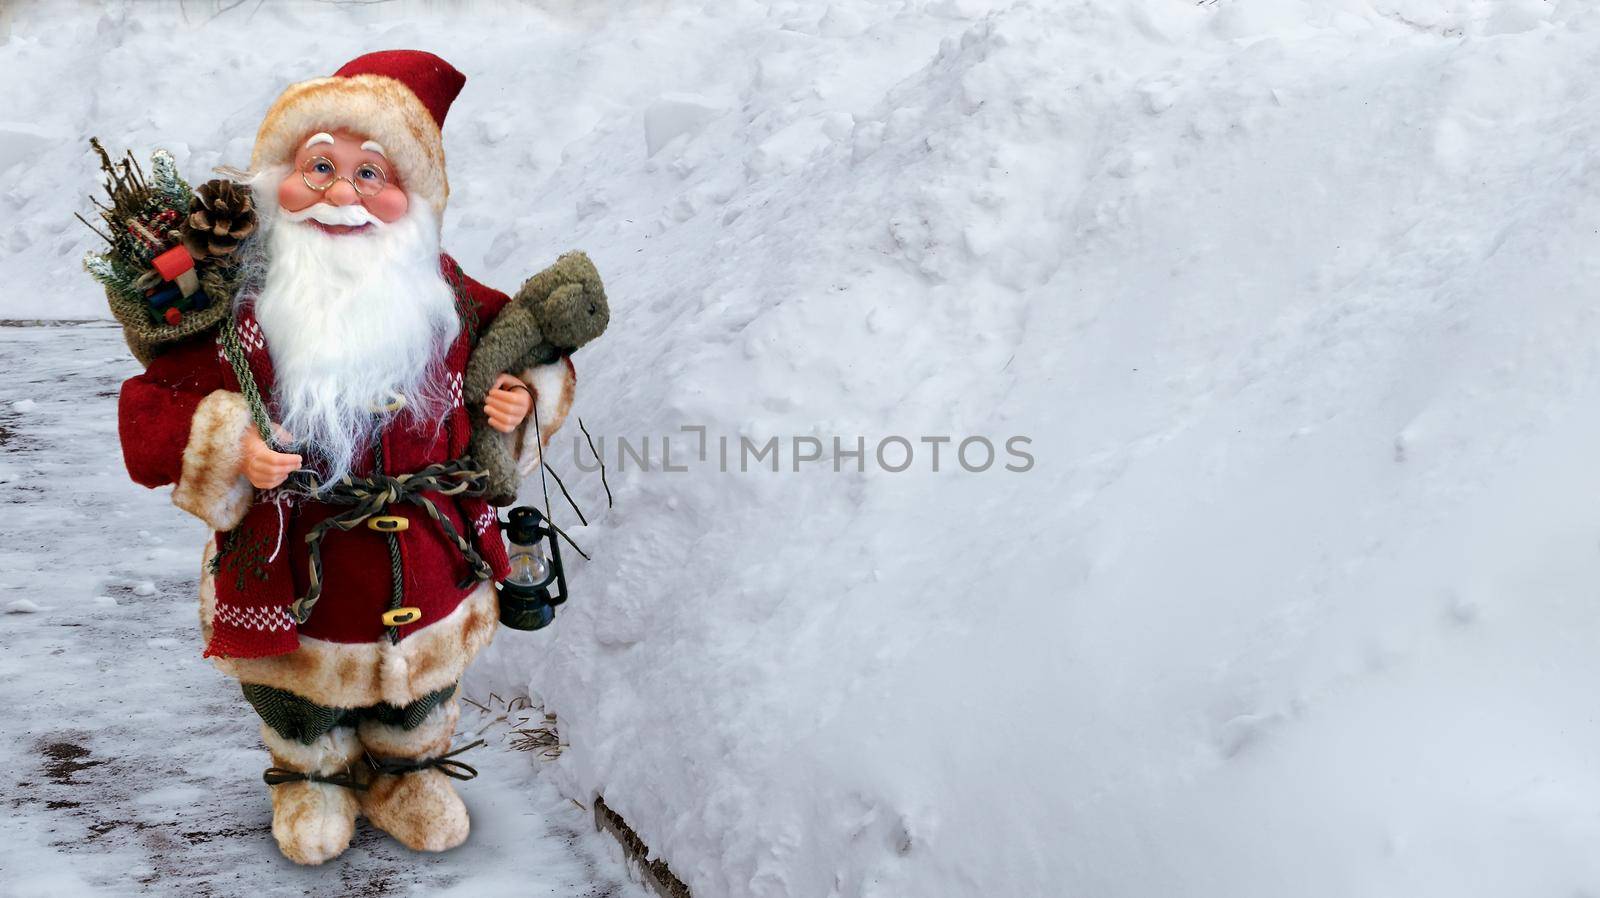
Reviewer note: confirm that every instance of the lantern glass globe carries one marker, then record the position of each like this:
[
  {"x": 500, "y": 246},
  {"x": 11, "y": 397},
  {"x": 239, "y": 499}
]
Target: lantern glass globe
[{"x": 529, "y": 567}]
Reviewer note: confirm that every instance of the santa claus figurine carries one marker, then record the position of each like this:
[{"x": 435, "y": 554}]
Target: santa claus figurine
[{"x": 323, "y": 437}]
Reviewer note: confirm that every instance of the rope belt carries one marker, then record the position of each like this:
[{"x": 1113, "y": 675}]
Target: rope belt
[
  {"x": 445, "y": 764},
  {"x": 369, "y": 496},
  {"x": 277, "y": 776}
]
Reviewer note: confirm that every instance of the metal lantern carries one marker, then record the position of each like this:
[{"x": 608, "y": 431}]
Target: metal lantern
[{"x": 526, "y": 599}]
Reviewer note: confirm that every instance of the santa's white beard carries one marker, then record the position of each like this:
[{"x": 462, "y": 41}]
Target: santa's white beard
[{"x": 350, "y": 321}]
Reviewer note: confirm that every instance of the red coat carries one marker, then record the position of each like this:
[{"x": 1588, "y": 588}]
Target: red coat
[{"x": 181, "y": 422}]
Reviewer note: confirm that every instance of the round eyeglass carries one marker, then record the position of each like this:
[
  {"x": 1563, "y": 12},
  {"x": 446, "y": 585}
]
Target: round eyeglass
[{"x": 320, "y": 173}]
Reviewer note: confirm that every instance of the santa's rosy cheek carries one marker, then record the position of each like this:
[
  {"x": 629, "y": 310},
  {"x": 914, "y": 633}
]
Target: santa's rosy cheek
[
  {"x": 294, "y": 195},
  {"x": 389, "y": 205}
]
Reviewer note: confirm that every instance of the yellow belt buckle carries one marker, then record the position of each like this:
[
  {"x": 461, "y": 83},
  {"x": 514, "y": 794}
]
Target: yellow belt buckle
[
  {"x": 397, "y": 617},
  {"x": 388, "y": 523}
]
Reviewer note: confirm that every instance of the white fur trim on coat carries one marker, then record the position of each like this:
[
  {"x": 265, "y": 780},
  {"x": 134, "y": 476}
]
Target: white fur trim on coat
[
  {"x": 361, "y": 674},
  {"x": 211, "y": 487},
  {"x": 553, "y": 387}
]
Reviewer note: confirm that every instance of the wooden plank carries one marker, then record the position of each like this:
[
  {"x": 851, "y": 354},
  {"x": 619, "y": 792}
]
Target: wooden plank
[{"x": 654, "y": 874}]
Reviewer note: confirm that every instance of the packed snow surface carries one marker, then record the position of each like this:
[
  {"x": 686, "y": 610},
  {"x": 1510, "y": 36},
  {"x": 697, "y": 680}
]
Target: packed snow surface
[{"x": 1289, "y": 302}]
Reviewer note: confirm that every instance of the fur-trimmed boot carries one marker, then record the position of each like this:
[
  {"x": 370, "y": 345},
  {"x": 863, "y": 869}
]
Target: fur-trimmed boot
[
  {"x": 408, "y": 795},
  {"x": 314, "y": 787}
]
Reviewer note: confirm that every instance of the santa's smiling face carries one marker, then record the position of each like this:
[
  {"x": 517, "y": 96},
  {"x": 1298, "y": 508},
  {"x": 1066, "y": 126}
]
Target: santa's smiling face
[
  {"x": 344, "y": 170},
  {"x": 349, "y": 294}
]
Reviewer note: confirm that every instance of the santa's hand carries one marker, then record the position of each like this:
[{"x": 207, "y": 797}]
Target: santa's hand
[
  {"x": 508, "y": 403},
  {"x": 263, "y": 466}
]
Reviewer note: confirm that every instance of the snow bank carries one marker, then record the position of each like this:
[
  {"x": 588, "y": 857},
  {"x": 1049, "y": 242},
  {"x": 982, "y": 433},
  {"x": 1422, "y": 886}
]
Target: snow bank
[
  {"x": 1291, "y": 300},
  {"x": 1294, "y": 304}
]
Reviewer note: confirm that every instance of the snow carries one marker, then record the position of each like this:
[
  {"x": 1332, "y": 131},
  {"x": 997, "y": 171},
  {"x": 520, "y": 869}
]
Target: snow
[
  {"x": 1291, "y": 299},
  {"x": 673, "y": 116}
]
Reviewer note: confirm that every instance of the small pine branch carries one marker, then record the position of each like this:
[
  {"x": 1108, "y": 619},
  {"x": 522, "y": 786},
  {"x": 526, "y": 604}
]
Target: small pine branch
[
  {"x": 99, "y": 267},
  {"x": 166, "y": 182},
  {"x": 107, "y": 271}
]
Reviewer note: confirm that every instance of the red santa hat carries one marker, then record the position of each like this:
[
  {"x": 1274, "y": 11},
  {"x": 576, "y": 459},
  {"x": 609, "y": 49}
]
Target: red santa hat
[{"x": 397, "y": 97}]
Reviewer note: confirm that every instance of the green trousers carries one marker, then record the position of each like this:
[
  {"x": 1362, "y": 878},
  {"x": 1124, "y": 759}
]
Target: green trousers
[{"x": 301, "y": 720}]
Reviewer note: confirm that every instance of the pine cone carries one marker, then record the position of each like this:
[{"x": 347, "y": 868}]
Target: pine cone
[{"x": 221, "y": 215}]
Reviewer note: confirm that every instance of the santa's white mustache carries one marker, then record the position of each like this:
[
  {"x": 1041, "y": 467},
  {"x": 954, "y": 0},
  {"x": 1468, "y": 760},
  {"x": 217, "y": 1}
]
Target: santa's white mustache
[{"x": 328, "y": 214}]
